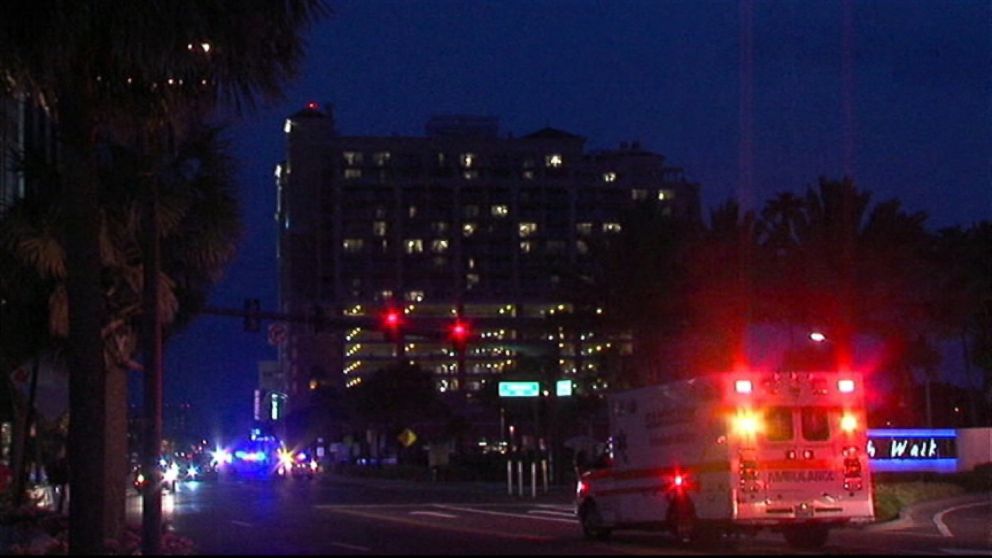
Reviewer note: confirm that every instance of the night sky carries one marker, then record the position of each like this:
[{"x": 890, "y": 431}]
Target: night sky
[{"x": 750, "y": 99}]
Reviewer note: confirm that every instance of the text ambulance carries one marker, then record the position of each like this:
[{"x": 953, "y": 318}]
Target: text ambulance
[{"x": 734, "y": 452}]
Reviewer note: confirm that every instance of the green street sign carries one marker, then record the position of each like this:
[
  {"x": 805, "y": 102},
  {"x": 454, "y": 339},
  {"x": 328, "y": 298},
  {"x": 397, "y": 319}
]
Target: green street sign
[
  {"x": 519, "y": 389},
  {"x": 563, "y": 388}
]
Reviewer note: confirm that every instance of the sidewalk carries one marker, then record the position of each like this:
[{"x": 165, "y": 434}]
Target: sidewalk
[{"x": 921, "y": 514}]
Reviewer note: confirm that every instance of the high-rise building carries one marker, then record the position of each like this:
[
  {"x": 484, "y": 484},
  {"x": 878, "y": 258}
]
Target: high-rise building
[
  {"x": 24, "y": 126},
  {"x": 460, "y": 223}
]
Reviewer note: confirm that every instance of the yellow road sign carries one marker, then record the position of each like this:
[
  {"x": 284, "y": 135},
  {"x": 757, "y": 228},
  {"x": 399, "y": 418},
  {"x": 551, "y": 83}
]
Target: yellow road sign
[{"x": 407, "y": 437}]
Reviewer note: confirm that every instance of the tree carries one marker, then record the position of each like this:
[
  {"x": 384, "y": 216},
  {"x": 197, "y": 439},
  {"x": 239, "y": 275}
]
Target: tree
[
  {"x": 133, "y": 71},
  {"x": 963, "y": 305},
  {"x": 394, "y": 398},
  {"x": 638, "y": 277},
  {"x": 831, "y": 262},
  {"x": 201, "y": 227}
]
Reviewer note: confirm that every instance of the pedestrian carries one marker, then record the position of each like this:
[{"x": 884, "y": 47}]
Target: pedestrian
[{"x": 58, "y": 475}]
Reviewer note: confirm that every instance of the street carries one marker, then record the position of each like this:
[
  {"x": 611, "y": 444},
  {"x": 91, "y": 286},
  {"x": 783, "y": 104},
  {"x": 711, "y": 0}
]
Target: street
[{"x": 336, "y": 515}]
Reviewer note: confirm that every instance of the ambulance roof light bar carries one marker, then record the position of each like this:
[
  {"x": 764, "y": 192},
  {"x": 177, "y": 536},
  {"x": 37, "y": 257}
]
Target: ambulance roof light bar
[
  {"x": 743, "y": 386},
  {"x": 845, "y": 386}
]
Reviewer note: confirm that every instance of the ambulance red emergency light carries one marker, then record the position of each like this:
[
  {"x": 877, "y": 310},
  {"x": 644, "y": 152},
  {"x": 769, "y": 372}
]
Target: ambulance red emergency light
[{"x": 735, "y": 451}]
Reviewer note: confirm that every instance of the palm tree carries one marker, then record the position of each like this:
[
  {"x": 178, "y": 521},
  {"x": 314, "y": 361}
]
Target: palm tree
[
  {"x": 131, "y": 71},
  {"x": 201, "y": 226}
]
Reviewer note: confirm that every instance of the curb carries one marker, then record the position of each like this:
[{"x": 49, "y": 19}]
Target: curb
[{"x": 907, "y": 515}]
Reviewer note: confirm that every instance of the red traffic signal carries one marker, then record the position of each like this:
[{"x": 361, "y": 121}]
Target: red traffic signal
[
  {"x": 392, "y": 320},
  {"x": 459, "y": 334}
]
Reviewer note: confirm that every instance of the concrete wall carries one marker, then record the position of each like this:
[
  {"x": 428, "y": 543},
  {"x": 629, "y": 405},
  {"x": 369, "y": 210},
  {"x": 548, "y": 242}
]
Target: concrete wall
[{"x": 974, "y": 447}]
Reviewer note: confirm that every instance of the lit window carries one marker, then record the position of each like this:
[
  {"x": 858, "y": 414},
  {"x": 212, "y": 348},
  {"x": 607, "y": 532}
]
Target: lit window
[
  {"x": 411, "y": 211},
  {"x": 288, "y": 126},
  {"x": 665, "y": 194},
  {"x": 386, "y": 295},
  {"x": 439, "y": 246},
  {"x": 470, "y": 174},
  {"x": 352, "y": 158},
  {"x": 581, "y": 247},
  {"x": 584, "y": 228},
  {"x": 379, "y": 228},
  {"x": 352, "y": 173},
  {"x": 414, "y": 296},
  {"x": 468, "y": 229},
  {"x": 471, "y": 263},
  {"x": 380, "y": 212},
  {"x": 609, "y": 177},
  {"x": 500, "y": 211},
  {"x": 439, "y": 227},
  {"x": 467, "y": 160},
  {"x": 352, "y": 245},
  {"x": 414, "y": 246},
  {"x": 381, "y": 158},
  {"x": 527, "y": 229},
  {"x": 471, "y": 279},
  {"x": 611, "y": 227},
  {"x": 526, "y": 246},
  {"x": 553, "y": 161},
  {"x": 528, "y": 175},
  {"x": 638, "y": 194}
]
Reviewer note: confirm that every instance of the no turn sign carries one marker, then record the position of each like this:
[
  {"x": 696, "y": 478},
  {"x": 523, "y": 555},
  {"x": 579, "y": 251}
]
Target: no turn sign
[{"x": 277, "y": 334}]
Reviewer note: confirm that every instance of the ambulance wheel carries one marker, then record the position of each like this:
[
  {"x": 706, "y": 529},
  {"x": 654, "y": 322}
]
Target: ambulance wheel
[
  {"x": 682, "y": 520},
  {"x": 592, "y": 523},
  {"x": 809, "y": 537}
]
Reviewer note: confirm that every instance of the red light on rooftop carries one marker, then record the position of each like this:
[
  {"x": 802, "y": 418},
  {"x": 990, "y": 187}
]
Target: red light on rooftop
[{"x": 312, "y": 106}]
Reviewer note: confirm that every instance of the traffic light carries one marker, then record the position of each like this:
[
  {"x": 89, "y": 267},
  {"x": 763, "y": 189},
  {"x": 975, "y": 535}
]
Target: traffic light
[
  {"x": 392, "y": 321},
  {"x": 459, "y": 334},
  {"x": 317, "y": 319},
  {"x": 253, "y": 321}
]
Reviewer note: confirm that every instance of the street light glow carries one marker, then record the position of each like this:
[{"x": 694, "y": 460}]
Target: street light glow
[{"x": 818, "y": 337}]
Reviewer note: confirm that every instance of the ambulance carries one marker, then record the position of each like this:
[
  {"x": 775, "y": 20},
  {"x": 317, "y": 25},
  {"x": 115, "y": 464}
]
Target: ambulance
[{"x": 734, "y": 452}]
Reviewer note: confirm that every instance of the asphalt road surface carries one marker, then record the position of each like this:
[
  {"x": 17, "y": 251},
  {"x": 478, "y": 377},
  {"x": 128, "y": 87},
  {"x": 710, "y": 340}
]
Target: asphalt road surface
[{"x": 335, "y": 515}]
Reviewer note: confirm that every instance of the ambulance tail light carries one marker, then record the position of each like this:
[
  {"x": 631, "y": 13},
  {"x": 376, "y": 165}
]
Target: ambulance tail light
[
  {"x": 678, "y": 482},
  {"x": 852, "y": 469},
  {"x": 582, "y": 488},
  {"x": 748, "y": 475}
]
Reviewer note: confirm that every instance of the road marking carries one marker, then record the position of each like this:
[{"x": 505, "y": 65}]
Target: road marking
[
  {"x": 440, "y": 527},
  {"x": 241, "y": 523},
  {"x": 938, "y": 519},
  {"x": 559, "y": 507},
  {"x": 434, "y": 514},
  {"x": 504, "y": 514},
  {"x": 552, "y": 513},
  {"x": 351, "y": 547}
]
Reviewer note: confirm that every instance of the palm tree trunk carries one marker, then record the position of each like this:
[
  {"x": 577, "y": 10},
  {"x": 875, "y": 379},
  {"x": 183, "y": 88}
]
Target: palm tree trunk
[
  {"x": 88, "y": 436},
  {"x": 151, "y": 518}
]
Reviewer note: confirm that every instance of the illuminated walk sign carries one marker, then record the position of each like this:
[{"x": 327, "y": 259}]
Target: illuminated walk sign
[
  {"x": 913, "y": 449},
  {"x": 519, "y": 389}
]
